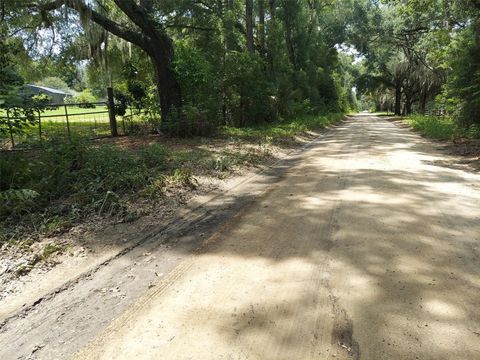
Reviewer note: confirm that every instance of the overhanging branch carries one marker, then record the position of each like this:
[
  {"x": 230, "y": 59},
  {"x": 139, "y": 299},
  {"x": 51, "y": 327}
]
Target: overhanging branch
[{"x": 109, "y": 25}]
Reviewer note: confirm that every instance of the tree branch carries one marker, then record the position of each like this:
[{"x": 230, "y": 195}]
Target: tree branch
[
  {"x": 116, "y": 29},
  {"x": 193, "y": 27},
  {"x": 138, "y": 16}
]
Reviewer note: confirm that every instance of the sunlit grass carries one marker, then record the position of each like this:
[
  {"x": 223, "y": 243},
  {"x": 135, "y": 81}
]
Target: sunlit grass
[
  {"x": 282, "y": 130},
  {"x": 72, "y": 110},
  {"x": 442, "y": 128}
]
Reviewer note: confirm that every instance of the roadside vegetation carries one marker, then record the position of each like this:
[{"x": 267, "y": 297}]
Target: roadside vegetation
[
  {"x": 46, "y": 191},
  {"x": 442, "y": 128},
  {"x": 283, "y": 131},
  {"x": 426, "y": 65},
  {"x": 215, "y": 85}
]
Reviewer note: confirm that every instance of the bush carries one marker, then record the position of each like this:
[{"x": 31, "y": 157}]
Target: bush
[
  {"x": 200, "y": 114},
  {"x": 249, "y": 94},
  {"x": 154, "y": 156},
  {"x": 16, "y": 201},
  {"x": 78, "y": 175},
  {"x": 85, "y": 99},
  {"x": 191, "y": 121},
  {"x": 433, "y": 127}
]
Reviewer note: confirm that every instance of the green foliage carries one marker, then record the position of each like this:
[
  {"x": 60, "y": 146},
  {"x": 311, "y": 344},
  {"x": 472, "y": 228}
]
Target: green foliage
[
  {"x": 53, "y": 82},
  {"x": 433, "y": 127},
  {"x": 85, "y": 99},
  {"x": 442, "y": 128},
  {"x": 292, "y": 69},
  {"x": 463, "y": 85},
  {"x": 16, "y": 201},
  {"x": 428, "y": 58},
  {"x": 247, "y": 94},
  {"x": 65, "y": 181},
  {"x": 22, "y": 112},
  {"x": 107, "y": 169},
  {"x": 10, "y": 80},
  {"x": 92, "y": 177},
  {"x": 284, "y": 130},
  {"x": 154, "y": 156},
  {"x": 199, "y": 84}
]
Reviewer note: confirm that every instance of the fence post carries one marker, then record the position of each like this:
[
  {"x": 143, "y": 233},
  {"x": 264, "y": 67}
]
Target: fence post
[
  {"x": 68, "y": 123},
  {"x": 111, "y": 112},
  {"x": 40, "y": 126},
  {"x": 10, "y": 128},
  {"x": 131, "y": 121}
]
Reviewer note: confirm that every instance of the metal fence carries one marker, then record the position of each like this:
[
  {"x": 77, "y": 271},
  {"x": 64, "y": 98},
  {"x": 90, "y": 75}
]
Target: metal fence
[
  {"x": 437, "y": 112},
  {"x": 91, "y": 120}
]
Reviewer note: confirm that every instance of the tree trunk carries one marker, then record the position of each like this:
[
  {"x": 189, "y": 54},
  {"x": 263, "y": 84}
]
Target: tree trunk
[
  {"x": 167, "y": 85},
  {"x": 398, "y": 99},
  {"x": 269, "y": 50},
  {"x": 423, "y": 101},
  {"x": 408, "y": 106},
  {"x": 272, "y": 8},
  {"x": 249, "y": 25},
  {"x": 261, "y": 26}
]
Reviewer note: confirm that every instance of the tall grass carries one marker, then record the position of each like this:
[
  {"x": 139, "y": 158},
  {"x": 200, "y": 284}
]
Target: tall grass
[
  {"x": 442, "y": 128},
  {"x": 282, "y": 130},
  {"x": 62, "y": 182}
]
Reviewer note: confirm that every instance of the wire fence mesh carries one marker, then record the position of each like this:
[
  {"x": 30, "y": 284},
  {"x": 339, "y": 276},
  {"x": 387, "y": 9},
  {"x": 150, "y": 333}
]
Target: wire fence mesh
[{"x": 91, "y": 120}]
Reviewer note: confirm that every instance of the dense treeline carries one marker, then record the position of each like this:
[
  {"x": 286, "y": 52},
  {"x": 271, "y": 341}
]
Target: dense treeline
[
  {"x": 212, "y": 62},
  {"x": 200, "y": 64},
  {"x": 425, "y": 56}
]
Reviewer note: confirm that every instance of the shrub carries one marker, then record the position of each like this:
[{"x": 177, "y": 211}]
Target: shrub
[
  {"x": 16, "y": 201},
  {"x": 85, "y": 99},
  {"x": 248, "y": 93},
  {"x": 107, "y": 169},
  {"x": 433, "y": 127},
  {"x": 154, "y": 156}
]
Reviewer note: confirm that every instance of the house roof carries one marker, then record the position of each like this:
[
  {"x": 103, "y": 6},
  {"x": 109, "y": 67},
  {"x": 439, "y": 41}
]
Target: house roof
[{"x": 50, "y": 90}]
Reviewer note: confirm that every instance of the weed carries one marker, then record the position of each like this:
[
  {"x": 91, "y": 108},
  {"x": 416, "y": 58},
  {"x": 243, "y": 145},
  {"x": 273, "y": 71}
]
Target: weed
[
  {"x": 154, "y": 156},
  {"x": 49, "y": 250},
  {"x": 433, "y": 127},
  {"x": 16, "y": 201},
  {"x": 23, "y": 269},
  {"x": 48, "y": 190},
  {"x": 183, "y": 177},
  {"x": 275, "y": 132},
  {"x": 156, "y": 188},
  {"x": 56, "y": 224}
]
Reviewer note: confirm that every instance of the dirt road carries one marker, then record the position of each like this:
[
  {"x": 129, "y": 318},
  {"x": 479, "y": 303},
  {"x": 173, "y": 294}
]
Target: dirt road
[{"x": 367, "y": 248}]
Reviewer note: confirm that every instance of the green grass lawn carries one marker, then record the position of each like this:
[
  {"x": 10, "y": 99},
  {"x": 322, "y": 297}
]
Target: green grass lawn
[
  {"x": 72, "y": 110},
  {"x": 77, "y": 114},
  {"x": 82, "y": 122}
]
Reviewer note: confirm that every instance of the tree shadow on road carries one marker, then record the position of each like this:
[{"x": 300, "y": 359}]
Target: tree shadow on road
[{"x": 400, "y": 235}]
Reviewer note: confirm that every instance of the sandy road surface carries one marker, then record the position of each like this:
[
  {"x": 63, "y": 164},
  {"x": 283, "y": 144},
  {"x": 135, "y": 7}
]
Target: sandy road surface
[
  {"x": 365, "y": 246},
  {"x": 367, "y": 249}
]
